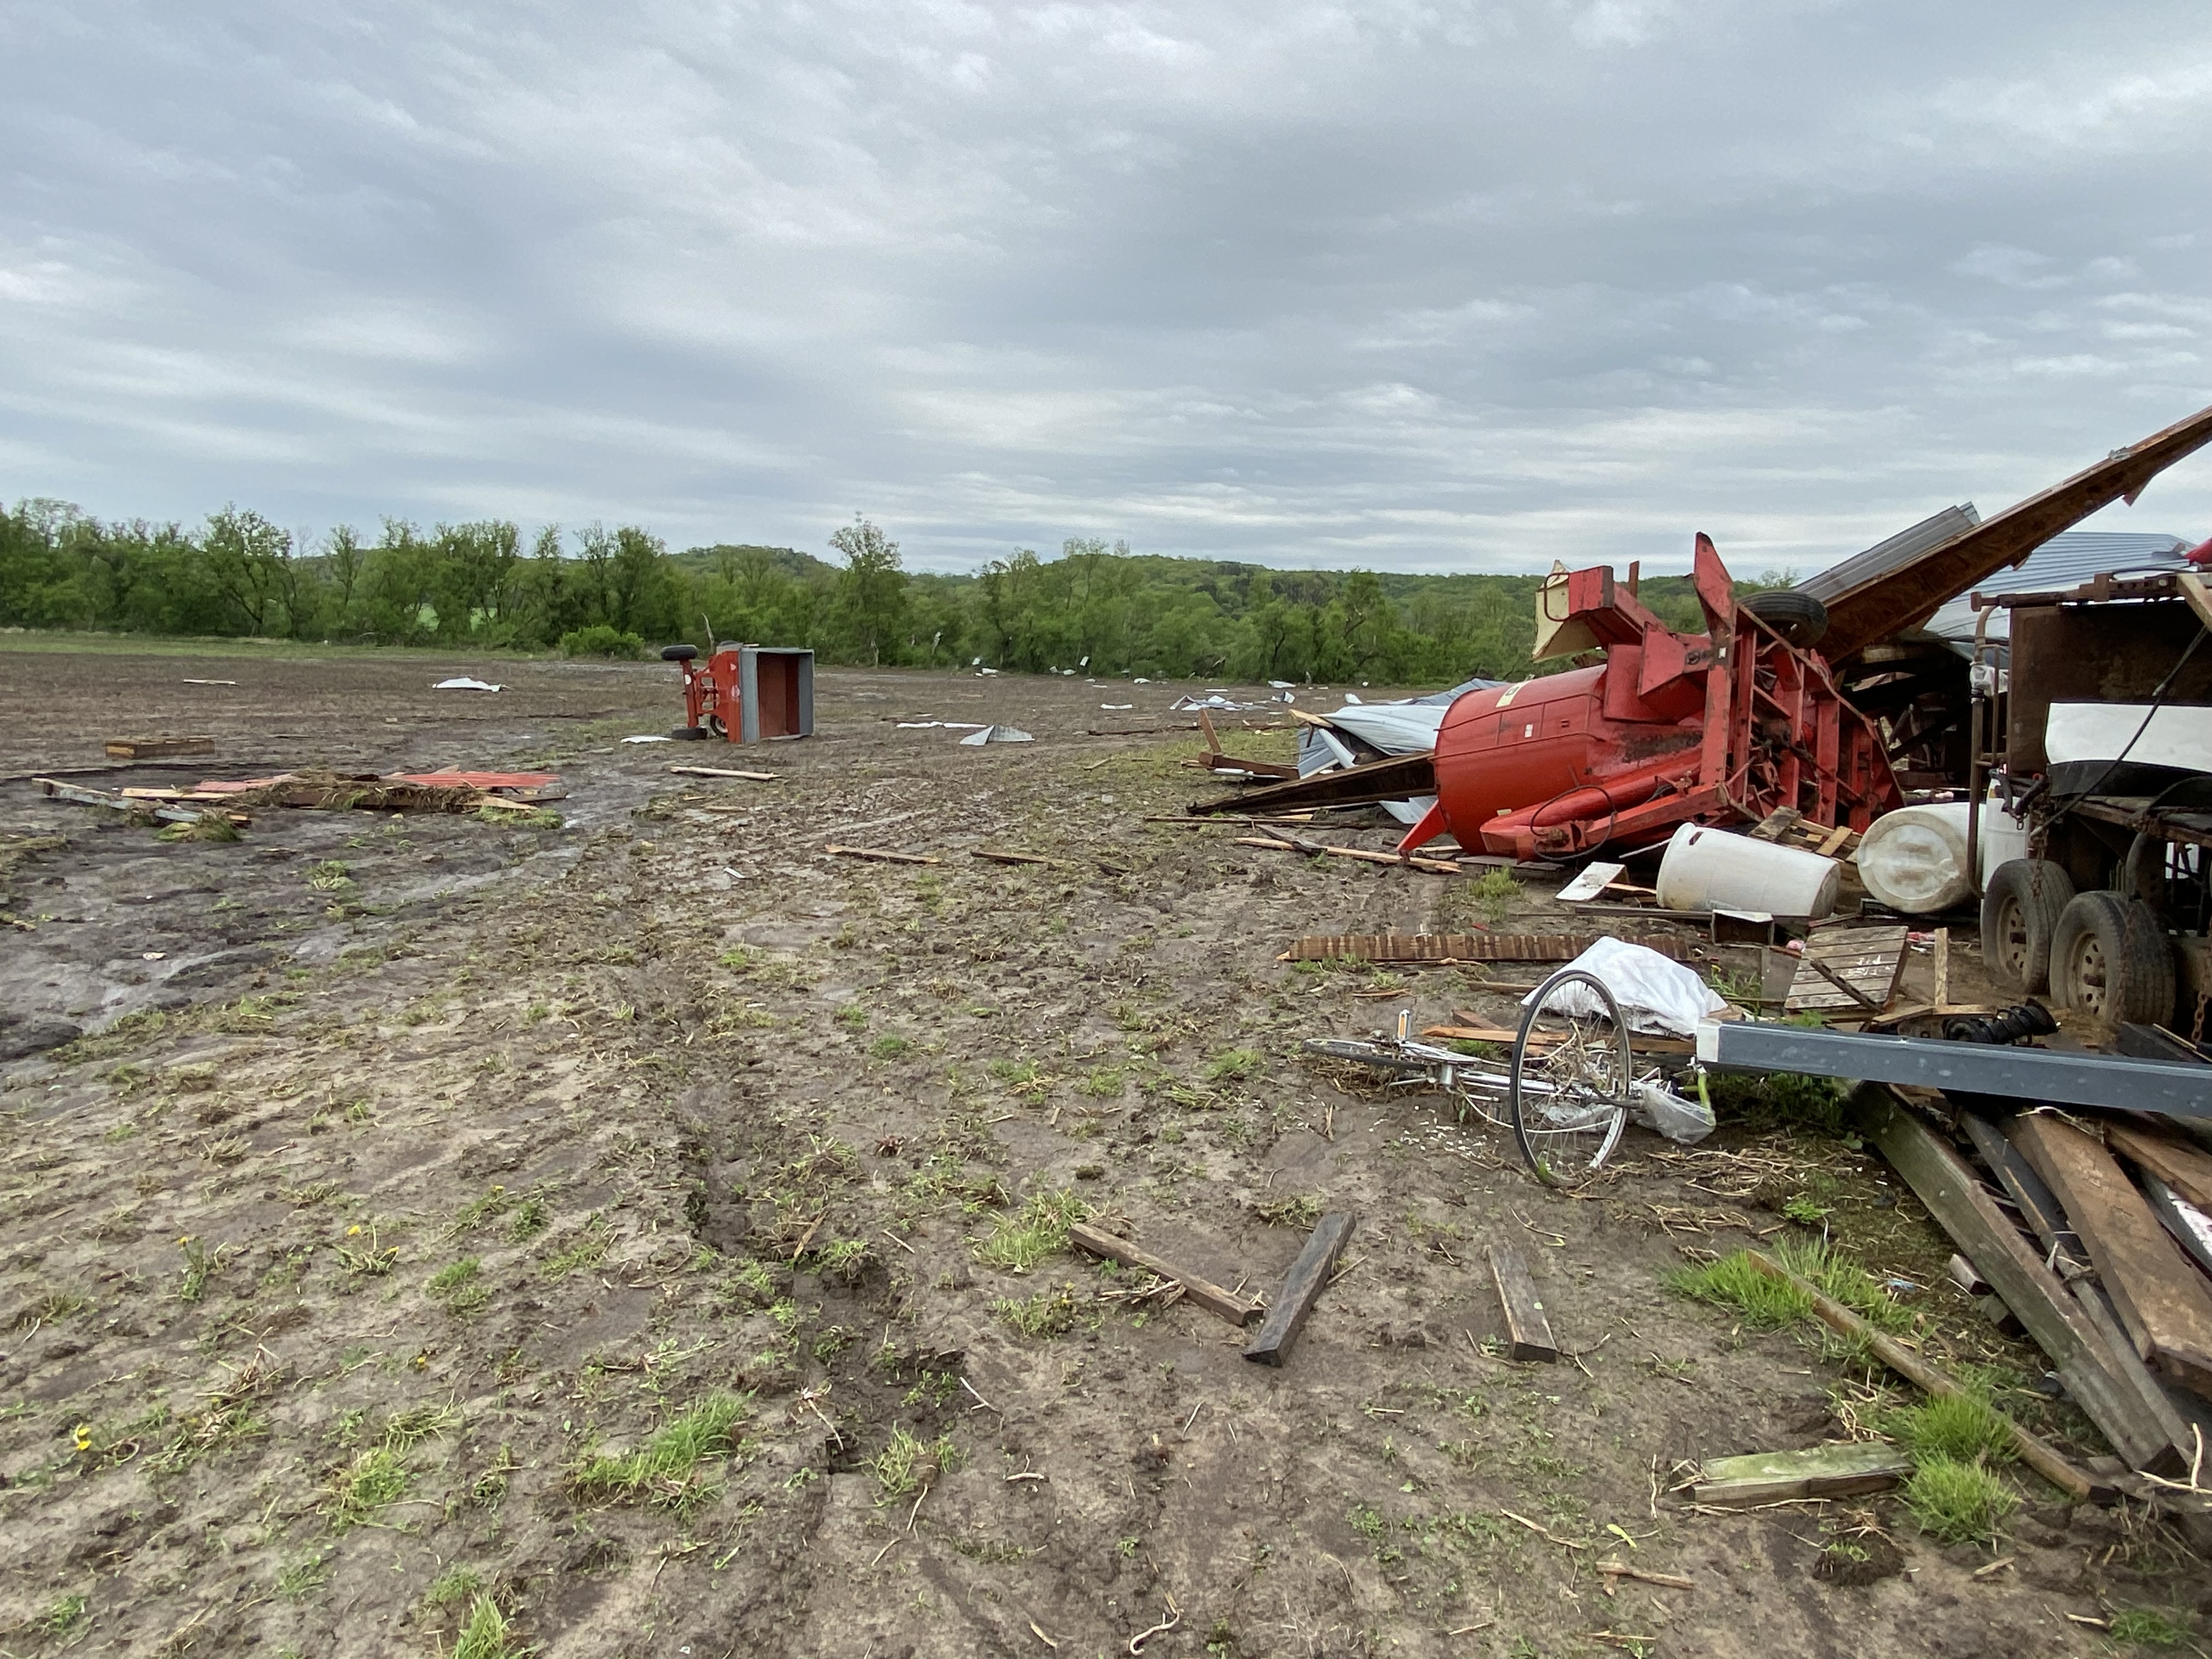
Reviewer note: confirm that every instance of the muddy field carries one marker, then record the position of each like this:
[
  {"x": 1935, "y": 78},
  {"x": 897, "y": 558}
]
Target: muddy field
[{"x": 636, "y": 1235}]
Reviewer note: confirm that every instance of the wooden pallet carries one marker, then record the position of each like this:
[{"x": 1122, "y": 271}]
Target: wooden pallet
[
  {"x": 1869, "y": 960},
  {"x": 1787, "y": 827}
]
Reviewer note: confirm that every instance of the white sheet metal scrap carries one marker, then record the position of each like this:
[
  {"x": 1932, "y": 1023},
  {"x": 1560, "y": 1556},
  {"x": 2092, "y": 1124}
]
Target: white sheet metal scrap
[{"x": 1405, "y": 728}]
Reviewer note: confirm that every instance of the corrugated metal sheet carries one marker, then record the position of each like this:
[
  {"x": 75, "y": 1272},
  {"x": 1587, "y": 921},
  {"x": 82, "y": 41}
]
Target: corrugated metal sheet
[
  {"x": 1886, "y": 555},
  {"x": 2067, "y": 561}
]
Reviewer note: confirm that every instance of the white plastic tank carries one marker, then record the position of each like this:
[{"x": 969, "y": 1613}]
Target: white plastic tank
[
  {"x": 2000, "y": 836},
  {"x": 1914, "y": 860},
  {"x": 1708, "y": 869}
]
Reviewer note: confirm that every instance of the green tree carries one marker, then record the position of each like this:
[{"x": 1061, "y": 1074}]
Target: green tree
[{"x": 871, "y": 589}]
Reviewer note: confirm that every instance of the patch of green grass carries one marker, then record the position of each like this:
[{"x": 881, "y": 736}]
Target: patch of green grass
[
  {"x": 1103, "y": 1083},
  {"x": 454, "y": 1584},
  {"x": 357, "y": 1490},
  {"x": 1962, "y": 1427},
  {"x": 1805, "y": 1210},
  {"x": 1050, "y": 1313},
  {"x": 297, "y": 1580},
  {"x": 847, "y": 1259},
  {"x": 363, "y": 1254},
  {"x": 1295, "y": 1210},
  {"x": 2150, "y": 1627},
  {"x": 530, "y": 1220},
  {"x": 1231, "y": 1063},
  {"x": 200, "y": 1265},
  {"x": 330, "y": 877},
  {"x": 1021, "y": 1239},
  {"x": 1957, "y": 1503},
  {"x": 64, "y": 1614},
  {"x": 889, "y": 1047},
  {"x": 487, "y": 1635},
  {"x": 490, "y": 1206},
  {"x": 665, "y": 1470},
  {"x": 1494, "y": 894},
  {"x": 1768, "y": 1303},
  {"x": 587, "y": 1250},
  {"x": 908, "y": 1463},
  {"x": 851, "y": 1016},
  {"x": 457, "y": 1286}
]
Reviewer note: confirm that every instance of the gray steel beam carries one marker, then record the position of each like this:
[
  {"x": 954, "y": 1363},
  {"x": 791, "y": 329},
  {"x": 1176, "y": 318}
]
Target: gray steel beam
[{"x": 2022, "y": 1075}]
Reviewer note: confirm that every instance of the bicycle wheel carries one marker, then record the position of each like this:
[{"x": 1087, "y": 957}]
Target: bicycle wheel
[{"x": 1568, "y": 1094}]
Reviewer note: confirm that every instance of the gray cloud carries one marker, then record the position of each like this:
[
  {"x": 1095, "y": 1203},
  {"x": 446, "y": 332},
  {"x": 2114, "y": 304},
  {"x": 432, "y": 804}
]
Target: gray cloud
[{"x": 1419, "y": 285}]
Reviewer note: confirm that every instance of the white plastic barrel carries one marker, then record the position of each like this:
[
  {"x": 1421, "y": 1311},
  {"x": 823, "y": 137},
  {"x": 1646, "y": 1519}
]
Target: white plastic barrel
[
  {"x": 1707, "y": 869},
  {"x": 1914, "y": 860},
  {"x": 2000, "y": 836}
]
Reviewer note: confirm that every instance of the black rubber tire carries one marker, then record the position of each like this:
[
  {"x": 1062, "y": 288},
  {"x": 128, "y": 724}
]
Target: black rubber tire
[
  {"x": 2019, "y": 913},
  {"x": 1798, "y": 617},
  {"x": 2111, "y": 960},
  {"x": 678, "y": 652},
  {"x": 689, "y": 734}
]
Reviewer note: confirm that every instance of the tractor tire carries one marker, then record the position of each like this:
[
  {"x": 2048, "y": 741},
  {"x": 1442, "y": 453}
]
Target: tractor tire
[
  {"x": 1800, "y": 619},
  {"x": 2020, "y": 915},
  {"x": 2110, "y": 959},
  {"x": 678, "y": 652}
]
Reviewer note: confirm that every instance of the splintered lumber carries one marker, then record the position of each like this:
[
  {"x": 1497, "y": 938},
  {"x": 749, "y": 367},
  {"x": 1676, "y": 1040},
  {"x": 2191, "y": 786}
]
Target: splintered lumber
[
  {"x": 1365, "y": 855},
  {"x": 1528, "y": 1331},
  {"x": 1848, "y": 968},
  {"x": 722, "y": 772},
  {"x": 155, "y": 748},
  {"x": 2181, "y": 1164},
  {"x": 1816, "y": 1472},
  {"x": 996, "y": 857},
  {"x": 1447, "y": 948},
  {"x": 168, "y": 813},
  {"x": 1540, "y": 1039},
  {"x": 1968, "y": 1211},
  {"x": 1301, "y": 1286},
  {"x": 1398, "y": 777},
  {"x": 883, "y": 855},
  {"x": 1239, "y": 1311},
  {"x": 2038, "y": 1455},
  {"x": 2162, "y": 1301},
  {"x": 1645, "y": 1575},
  {"x": 1775, "y": 825}
]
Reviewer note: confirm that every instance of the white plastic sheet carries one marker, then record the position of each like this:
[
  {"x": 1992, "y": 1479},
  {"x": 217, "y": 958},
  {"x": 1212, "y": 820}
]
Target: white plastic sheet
[
  {"x": 1657, "y": 997},
  {"x": 464, "y": 684}
]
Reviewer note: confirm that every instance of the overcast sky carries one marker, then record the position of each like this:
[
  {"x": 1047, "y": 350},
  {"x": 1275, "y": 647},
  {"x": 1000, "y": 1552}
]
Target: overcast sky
[{"x": 1410, "y": 286}]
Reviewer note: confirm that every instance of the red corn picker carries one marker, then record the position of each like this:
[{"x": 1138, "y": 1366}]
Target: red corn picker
[{"x": 1788, "y": 698}]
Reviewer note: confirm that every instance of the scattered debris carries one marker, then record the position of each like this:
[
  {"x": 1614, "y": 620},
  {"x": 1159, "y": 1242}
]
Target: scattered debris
[
  {"x": 1214, "y": 761},
  {"x": 722, "y": 772},
  {"x": 1777, "y": 1477},
  {"x": 1528, "y": 1331},
  {"x": 155, "y": 748},
  {"x": 1848, "y": 968},
  {"x": 882, "y": 855},
  {"x": 1446, "y": 950},
  {"x": 1308, "y": 1277},
  {"x": 995, "y": 734},
  {"x": 396, "y": 792},
  {"x": 997, "y": 857},
  {"x": 210, "y": 682},
  {"x": 1432, "y": 866},
  {"x": 463, "y": 683},
  {"x": 1239, "y": 1311},
  {"x": 650, "y": 736},
  {"x": 168, "y": 813},
  {"x": 1657, "y": 994},
  {"x": 1593, "y": 880},
  {"x": 1645, "y": 1575}
]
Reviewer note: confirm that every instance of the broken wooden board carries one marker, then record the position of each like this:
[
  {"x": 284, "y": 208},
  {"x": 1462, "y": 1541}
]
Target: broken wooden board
[
  {"x": 1238, "y": 1310},
  {"x": 1816, "y": 1472},
  {"x": 723, "y": 772},
  {"x": 2162, "y": 1301},
  {"x": 155, "y": 748},
  {"x": 1446, "y": 948},
  {"x": 2191, "y": 1227},
  {"x": 1969, "y": 1212},
  {"x": 1308, "y": 1277},
  {"x": 1527, "y": 1330},
  {"x": 993, "y": 856},
  {"x": 1499, "y": 1033},
  {"x": 1869, "y": 960},
  {"x": 881, "y": 854},
  {"x": 1593, "y": 880},
  {"x": 1775, "y": 825},
  {"x": 1365, "y": 855},
  {"x": 2181, "y": 1164},
  {"x": 168, "y": 812}
]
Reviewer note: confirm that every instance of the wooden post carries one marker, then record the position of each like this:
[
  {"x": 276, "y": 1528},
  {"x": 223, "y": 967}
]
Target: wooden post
[
  {"x": 1528, "y": 1331},
  {"x": 1307, "y": 1278}
]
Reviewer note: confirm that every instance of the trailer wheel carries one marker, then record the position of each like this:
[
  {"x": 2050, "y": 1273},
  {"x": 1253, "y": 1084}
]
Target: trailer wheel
[
  {"x": 2110, "y": 959},
  {"x": 2020, "y": 912},
  {"x": 1798, "y": 617}
]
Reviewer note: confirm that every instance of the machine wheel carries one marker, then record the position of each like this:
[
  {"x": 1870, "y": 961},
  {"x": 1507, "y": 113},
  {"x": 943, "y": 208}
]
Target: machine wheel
[
  {"x": 678, "y": 652},
  {"x": 2110, "y": 959},
  {"x": 1798, "y": 617},
  {"x": 2019, "y": 913}
]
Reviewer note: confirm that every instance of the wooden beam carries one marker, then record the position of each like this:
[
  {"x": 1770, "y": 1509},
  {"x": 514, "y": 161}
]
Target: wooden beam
[
  {"x": 1302, "y": 1285},
  {"x": 1239, "y": 1311},
  {"x": 883, "y": 855},
  {"x": 1966, "y": 1210},
  {"x": 1815, "y": 1472},
  {"x": 2181, "y": 1164},
  {"x": 2161, "y": 1300},
  {"x": 1365, "y": 855},
  {"x": 2038, "y": 1455},
  {"x": 155, "y": 748},
  {"x": 1528, "y": 1331},
  {"x": 997, "y": 857},
  {"x": 723, "y": 772}
]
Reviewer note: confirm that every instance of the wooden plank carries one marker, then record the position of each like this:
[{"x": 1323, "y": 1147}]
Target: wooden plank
[
  {"x": 1816, "y": 1472},
  {"x": 883, "y": 855},
  {"x": 2038, "y": 1454},
  {"x": 1446, "y": 948},
  {"x": 1941, "y": 969},
  {"x": 1528, "y": 1331},
  {"x": 1966, "y": 1211},
  {"x": 1593, "y": 880},
  {"x": 154, "y": 748},
  {"x": 723, "y": 772},
  {"x": 1836, "y": 839},
  {"x": 1365, "y": 855},
  {"x": 2038, "y": 1206},
  {"x": 2162, "y": 1303},
  {"x": 1482, "y": 1031},
  {"x": 1302, "y": 1285},
  {"x": 997, "y": 857},
  {"x": 2181, "y": 1164},
  {"x": 2189, "y": 1226},
  {"x": 1775, "y": 825},
  {"x": 1239, "y": 1311},
  {"x": 77, "y": 794}
]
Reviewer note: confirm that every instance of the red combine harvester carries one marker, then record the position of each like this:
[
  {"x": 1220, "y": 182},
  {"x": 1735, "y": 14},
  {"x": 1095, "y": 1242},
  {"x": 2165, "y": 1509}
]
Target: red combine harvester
[
  {"x": 745, "y": 693},
  {"x": 1789, "y": 698}
]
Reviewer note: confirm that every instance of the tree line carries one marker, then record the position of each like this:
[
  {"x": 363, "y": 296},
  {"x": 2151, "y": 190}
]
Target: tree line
[{"x": 621, "y": 592}]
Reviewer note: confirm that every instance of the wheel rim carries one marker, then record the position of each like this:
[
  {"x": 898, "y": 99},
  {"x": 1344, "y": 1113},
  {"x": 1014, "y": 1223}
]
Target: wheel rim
[
  {"x": 2012, "y": 937},
  {"x": 1568, "y": 1096},
  {"x": 2091, "y": 988}
]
